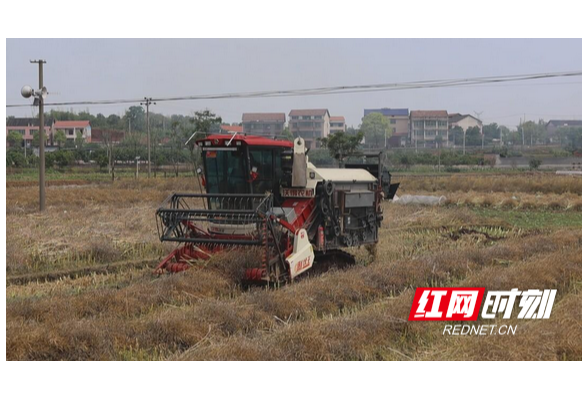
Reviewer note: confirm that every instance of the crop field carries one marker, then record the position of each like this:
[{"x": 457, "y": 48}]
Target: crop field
[{"x": 80, "y": 284}]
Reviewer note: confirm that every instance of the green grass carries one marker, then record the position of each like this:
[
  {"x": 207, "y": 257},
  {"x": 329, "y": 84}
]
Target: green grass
[{"x": 534, "y": 219}]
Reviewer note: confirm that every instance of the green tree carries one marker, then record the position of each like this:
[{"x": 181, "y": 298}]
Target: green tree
[
  {"x": 100, "y": 121},
  {"x": 375, "y": 127},
  {"x": 534, "y": 132},
  {"x": 136, "y": 114},
  {"x": 14, "y": 139},
  {"x": 351, "y": 130},
  {"x": 456, "y": 135},
  {"x": 286, "y": 132},
  {"x": 15, "y": 158},
  {"x": 342, "y": 145},
  {"x": 571, "y": 136},
  {"x": 491, "y": 131},
  {"x": 79, "y": 140},
  {"x": 177, "y": 145},
  {"x": 115, "y": 122},
  {"x": 63, "y": 158},
  {"x": 59, "y": 138},
  {"x": 203, "y": 122},
  {"x": 36, "y": 138},
  {"x": 439, "y": 139},
  {"x": 406, "y": 160},
  {"x": 505, "y": 132},
  {"x": 473, "y": 136},
  {"x": 101, "y": 159}
]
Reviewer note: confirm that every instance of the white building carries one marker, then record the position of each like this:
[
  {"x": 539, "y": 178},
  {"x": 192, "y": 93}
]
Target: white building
[
  {"x": 311, "y": 125},
  {"x": 337, "y": 124},
  {"x": 464, "y": 121}
]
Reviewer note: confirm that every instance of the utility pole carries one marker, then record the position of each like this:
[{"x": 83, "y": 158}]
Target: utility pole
[
  {"x": 478, "y": 114},
  {"x": 523, "y": 129},
  {"x": 500, "y": 130},
  {"x": 39, "y": 96},
  {"x": 464, "y": 132},
  {"x": 148, "y": 101}
]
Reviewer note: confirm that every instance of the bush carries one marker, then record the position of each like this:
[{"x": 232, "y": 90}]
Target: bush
[
  {"x": 448, "y": 158},
  {"x": 405, "y": 160},
  {"x": 63, "y": 158},
  {"x": 534, "y": 163},
  {"x": 559, "y": 153},
  {"x": 49, "y": 159},
  {"x": 32, "y": 160},
  {"x": 81, "y": 155},
  {"x": 503, "y": 151},
  {"x": 15, "y": 158},
  {"x": 321, "y": 157},
  {"x": 452, "y": 169}
]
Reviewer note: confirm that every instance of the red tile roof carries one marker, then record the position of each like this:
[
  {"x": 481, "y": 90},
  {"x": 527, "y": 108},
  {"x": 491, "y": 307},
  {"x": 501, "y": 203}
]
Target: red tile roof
[
  {"x": 453, "y": 118},
  {"x": 71, "y": 124},
  {"x": 232, "y": 128},
  {"x": 428, "y": 114},
  {"x": 315, "y": 112},
  {"x": 337, "y": 119},
  {"x": 273, "y": 117}
]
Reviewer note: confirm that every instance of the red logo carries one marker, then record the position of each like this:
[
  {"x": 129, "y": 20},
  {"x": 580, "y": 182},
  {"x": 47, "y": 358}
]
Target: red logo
[
  {"x": 302, "y": 264},
  {"x": 297, "y": 192},
  {"x": 446, "y": 304}
]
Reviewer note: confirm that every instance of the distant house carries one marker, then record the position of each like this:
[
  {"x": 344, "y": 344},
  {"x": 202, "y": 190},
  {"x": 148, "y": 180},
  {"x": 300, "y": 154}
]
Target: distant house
[
  {"x": 399, "y": 122},
  {"x": 72, "y": 128},
  {"x": 311, "y": 125},
  {"x": 428, "y": 125},
  {"x": 337, "y": 124},
  {"x": 28, "y": 127},
  {"x": 230, "y": 129},
  {"x": 464, "y": 121},
  {"x": 263, "y": 124},
  {"x": 113, "y": 135},
  {"x": 553, "y": 125}
]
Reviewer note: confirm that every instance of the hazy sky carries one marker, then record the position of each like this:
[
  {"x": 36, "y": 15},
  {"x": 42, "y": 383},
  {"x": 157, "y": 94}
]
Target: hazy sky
[{"x": 84, "y": 69}]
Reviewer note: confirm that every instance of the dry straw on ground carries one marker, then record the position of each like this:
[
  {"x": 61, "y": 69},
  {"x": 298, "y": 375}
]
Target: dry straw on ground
[{"x": 358, "y": 312}]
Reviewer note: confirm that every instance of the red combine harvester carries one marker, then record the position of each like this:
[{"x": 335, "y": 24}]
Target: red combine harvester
[{"x": 264, "y": 192}]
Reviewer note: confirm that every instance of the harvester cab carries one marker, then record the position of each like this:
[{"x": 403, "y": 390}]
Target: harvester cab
[{"x": 264, "y": 192}]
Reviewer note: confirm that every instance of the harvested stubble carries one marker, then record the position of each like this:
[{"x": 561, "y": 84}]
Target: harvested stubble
[
  {"x": 86, "y": 225},
  {"x": 80, "y": 237},
  {"x": 174, "y": 317},
  {"x": 120, "y": 193},
  {"x": 355, "y": 313},
  {"x": 526, "y": 183},
  {"x": 516, "y": 200}
]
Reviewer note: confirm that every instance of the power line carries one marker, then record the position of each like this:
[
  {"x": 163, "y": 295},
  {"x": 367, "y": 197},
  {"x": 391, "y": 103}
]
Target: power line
[{"x": 425, "y": 84}]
